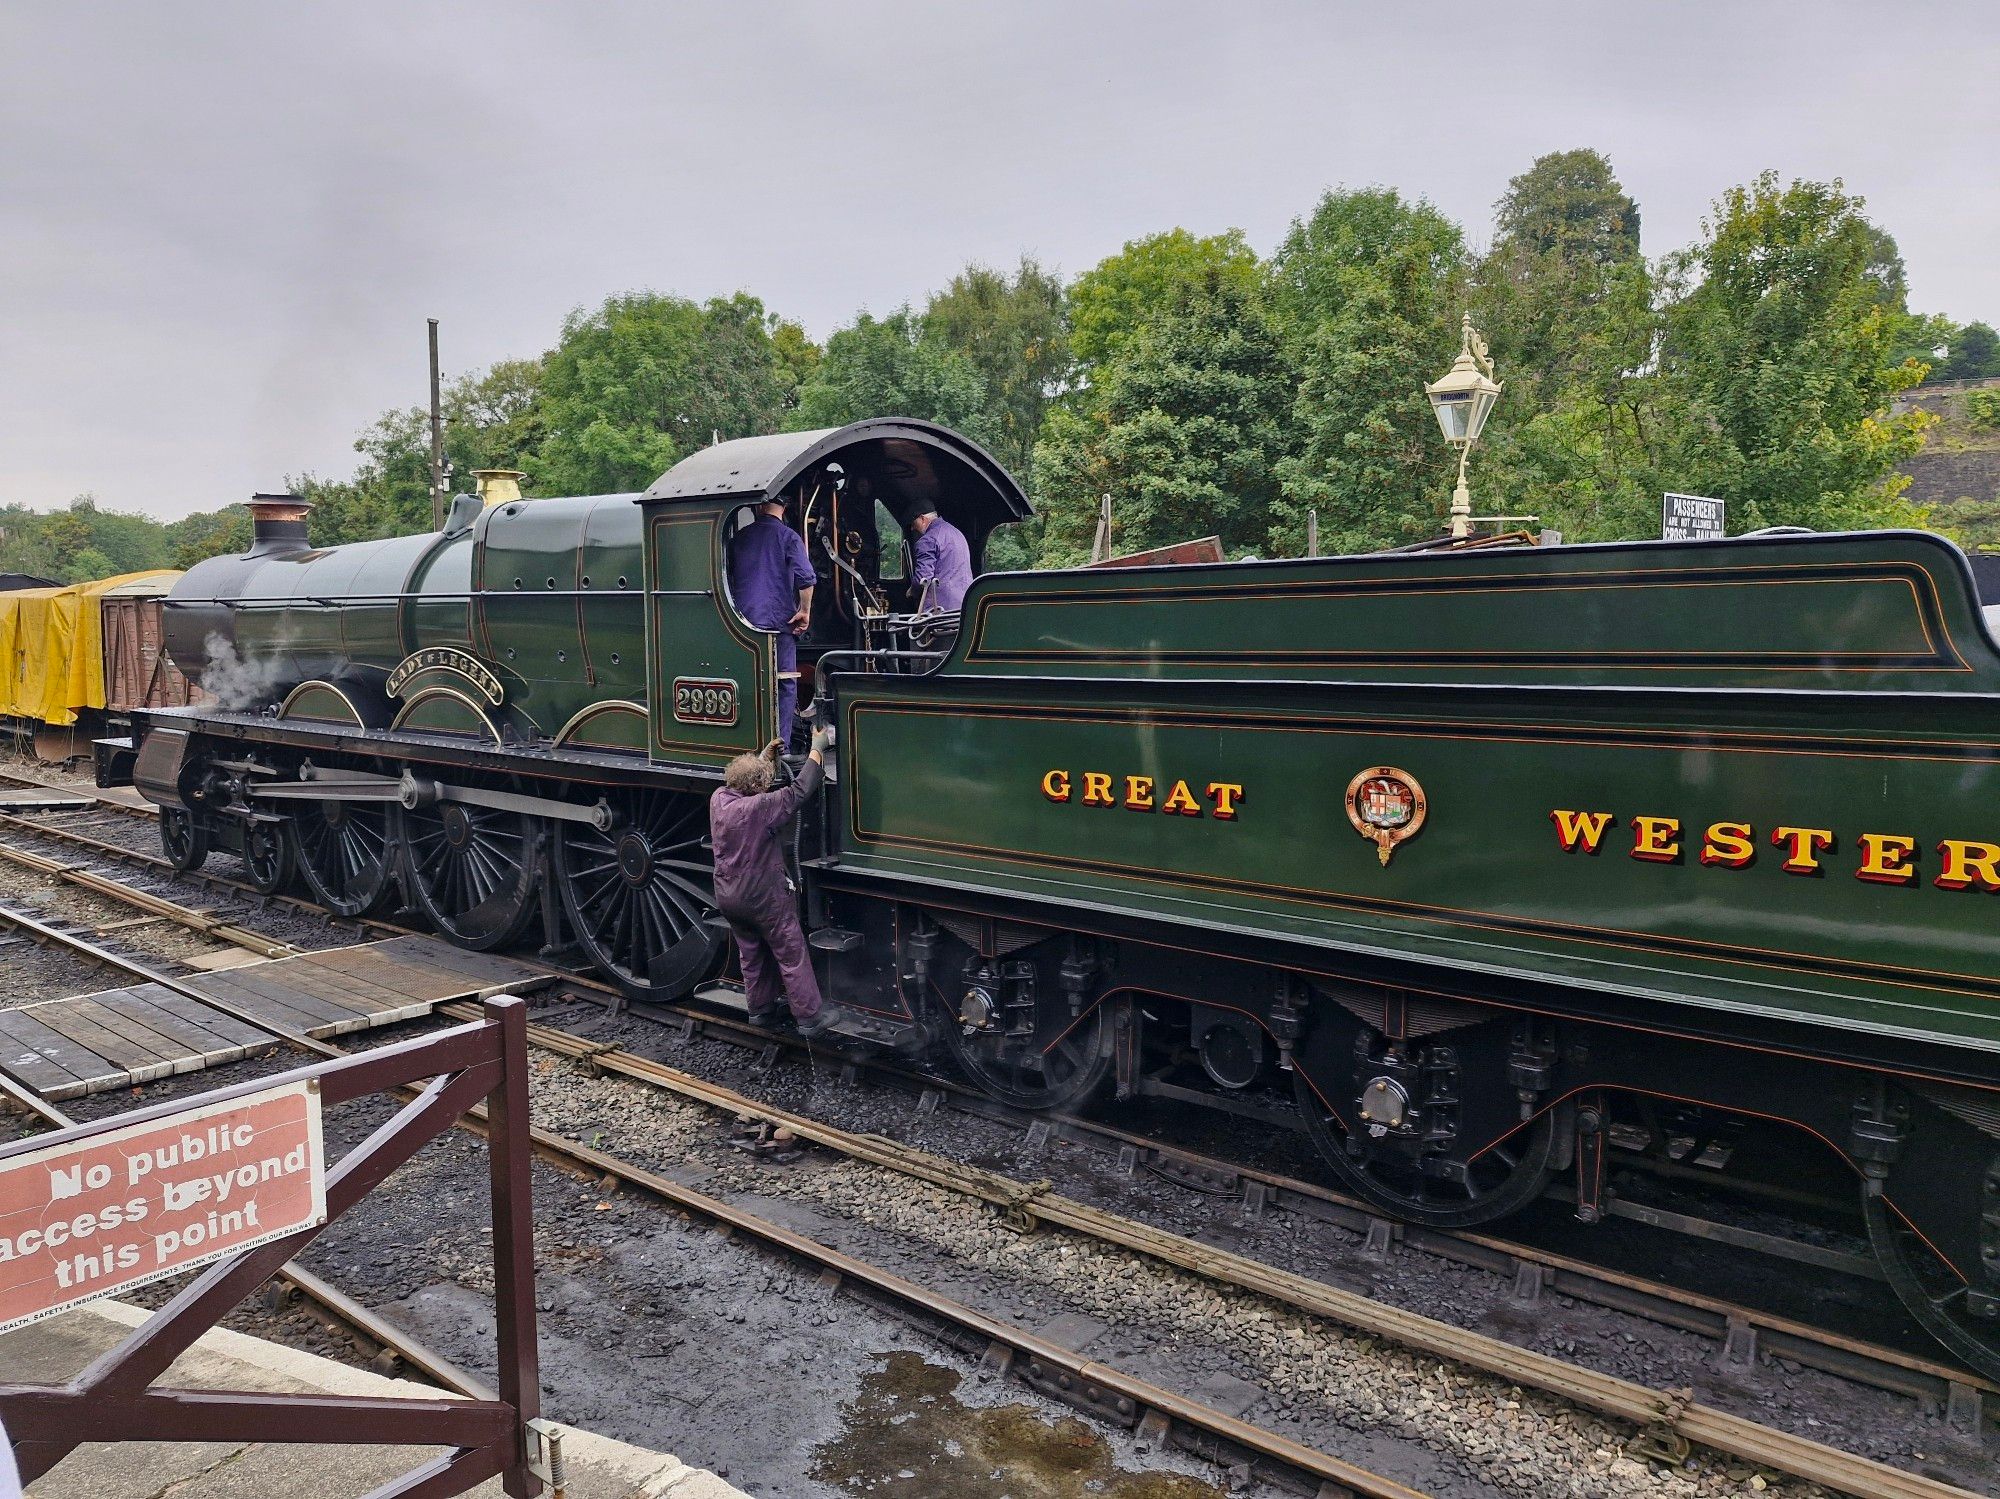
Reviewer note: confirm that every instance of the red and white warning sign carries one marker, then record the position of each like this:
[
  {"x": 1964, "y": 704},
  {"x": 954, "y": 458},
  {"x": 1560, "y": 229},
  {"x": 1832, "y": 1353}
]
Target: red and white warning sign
[{"x": 84, "y": 1218}]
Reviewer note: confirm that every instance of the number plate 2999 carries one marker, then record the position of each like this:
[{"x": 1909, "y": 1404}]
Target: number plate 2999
[{"x": 704, "y": 700}]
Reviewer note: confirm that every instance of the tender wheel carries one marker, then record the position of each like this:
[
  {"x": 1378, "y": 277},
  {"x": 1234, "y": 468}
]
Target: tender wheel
[
  {"x": 343, "y": 850},
  {"x": 1057, "y": 1062},
  {"x": 1425, "y": 1125},
  {"x": 268, "y": 857},
  {"x": 475, "y": 872},
  {"x": 1945, "y": 1172},
  {"x": 184, "y": 841},
  {"x": 1449, "y": 1191},
  {"x": 640, "y": 896}
]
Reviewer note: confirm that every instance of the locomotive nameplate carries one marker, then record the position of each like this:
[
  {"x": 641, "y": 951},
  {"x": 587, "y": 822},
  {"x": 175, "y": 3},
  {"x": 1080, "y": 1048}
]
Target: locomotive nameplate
[
  {"x": 446, "y": 658},
  {"x": 705, "y": 700}
]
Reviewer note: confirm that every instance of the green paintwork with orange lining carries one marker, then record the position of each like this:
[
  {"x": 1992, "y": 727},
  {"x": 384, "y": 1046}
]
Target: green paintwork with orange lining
[{"x": 1836, "y": 685}]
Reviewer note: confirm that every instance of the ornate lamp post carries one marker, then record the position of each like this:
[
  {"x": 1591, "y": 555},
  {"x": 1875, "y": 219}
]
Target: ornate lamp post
[{"x": 1461, "y": 400}]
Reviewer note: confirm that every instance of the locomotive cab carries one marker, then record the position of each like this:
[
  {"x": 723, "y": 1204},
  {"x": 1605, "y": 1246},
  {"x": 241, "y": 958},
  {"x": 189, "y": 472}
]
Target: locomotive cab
[{"x": 850, "y": 493}]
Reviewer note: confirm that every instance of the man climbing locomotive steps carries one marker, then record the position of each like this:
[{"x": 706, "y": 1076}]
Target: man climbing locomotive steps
[
  {"x": 749, "y": 816},
  {"x": 1639, "y": 825}
]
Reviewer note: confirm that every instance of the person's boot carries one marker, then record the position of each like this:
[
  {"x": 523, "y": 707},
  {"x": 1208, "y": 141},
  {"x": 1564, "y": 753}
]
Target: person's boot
[
  {"x": 820, "y": 1021},
  {"x": 771, "y": 1019}
]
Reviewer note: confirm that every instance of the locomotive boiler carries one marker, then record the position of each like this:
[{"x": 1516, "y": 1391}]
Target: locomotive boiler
[{"x": 1456, "y": 860}]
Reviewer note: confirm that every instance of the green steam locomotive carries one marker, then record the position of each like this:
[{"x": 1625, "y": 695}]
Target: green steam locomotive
[{"x": 1491, "y": 857}]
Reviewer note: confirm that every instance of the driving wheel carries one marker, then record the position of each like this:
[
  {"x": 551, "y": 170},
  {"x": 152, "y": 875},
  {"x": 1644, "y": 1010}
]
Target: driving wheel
[
  {"x": 640, "y": 894},
  {"x": 475, "y": 872},
  {"x": 343, "y": 850}
]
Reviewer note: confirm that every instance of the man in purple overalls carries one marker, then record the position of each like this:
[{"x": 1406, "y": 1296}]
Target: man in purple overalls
[
  {"x": 746, "y": 823},
  {"x": 772, "y": 581},
  {"x": 940, "y": 563}
]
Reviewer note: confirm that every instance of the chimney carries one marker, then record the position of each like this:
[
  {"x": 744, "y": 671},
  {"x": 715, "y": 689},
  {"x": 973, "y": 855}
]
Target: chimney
[
  {"x": 277, "y": 524},
  {"x": 498, "y": 486}
]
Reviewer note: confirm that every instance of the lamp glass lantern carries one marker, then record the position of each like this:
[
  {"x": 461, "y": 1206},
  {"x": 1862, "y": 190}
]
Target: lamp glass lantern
[{"x": 1462, "y": 400}]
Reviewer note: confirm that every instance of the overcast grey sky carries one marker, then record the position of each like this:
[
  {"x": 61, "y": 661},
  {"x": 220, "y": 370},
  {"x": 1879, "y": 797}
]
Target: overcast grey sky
[{"x": 222, "y": 226}]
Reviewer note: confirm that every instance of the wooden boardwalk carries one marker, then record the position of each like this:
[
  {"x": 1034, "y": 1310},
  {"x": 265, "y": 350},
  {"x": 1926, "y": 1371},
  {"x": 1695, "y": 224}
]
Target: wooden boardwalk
[
  {"x": 43, "y": 798},
  {"x": 88, "y": 1043}
]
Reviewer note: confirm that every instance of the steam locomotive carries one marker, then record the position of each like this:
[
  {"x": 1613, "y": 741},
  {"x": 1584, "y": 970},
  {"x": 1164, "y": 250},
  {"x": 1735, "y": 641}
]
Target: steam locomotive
[{"x": 1483, "y": 853}]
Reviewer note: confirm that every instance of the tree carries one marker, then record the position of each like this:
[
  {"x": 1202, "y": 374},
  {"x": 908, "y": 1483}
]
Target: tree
[
  {"x": 797, "y": 355},
  {"x": 1186, "y": 435},
  {"x": 893, "y": 367},
  {"x": 1012, "y": 334},
  {"x": 1112, "y": 300},
  {"x": 1781, "y": 360},
  {"x": 1563, "y": 294},
  {"x": 1565, "y": 298},
  {"x": 208, "y": 533},
  {"x": 494, "y": 420},
  {"x": 632, "y": 387},
  {"x": 81, "y": 542},
  {"x": 1367, "y": 291},
  {"x": 1971, "y": 353}
]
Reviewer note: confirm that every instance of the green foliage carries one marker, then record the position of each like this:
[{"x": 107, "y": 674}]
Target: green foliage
[
  {"x": 494, "y": 420},
  {"x": 1982, "y": 408},
  {"x": 1971, "y": 353},
  {"x": 1565, "y": 299},
  {"x": 80, "y": 542},
  {"x": 645, "y": 379},
  {"x": 1367, "y": 292},
  {"x": 1563, "y": 296},
  {"x": 893, "y": 367},
  {"x": 1186, "y": 435},
  {"x": 1114, "y": 298},
  {"x": 1779, "y": 362},
  {"x": 1973, "y": 524},
  {"x": 1013, "y": 334},
  {"x": 211, "y": 533}
]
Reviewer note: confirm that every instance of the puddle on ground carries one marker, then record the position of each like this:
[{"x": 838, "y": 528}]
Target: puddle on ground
[{"x": 909, "y": 1436}]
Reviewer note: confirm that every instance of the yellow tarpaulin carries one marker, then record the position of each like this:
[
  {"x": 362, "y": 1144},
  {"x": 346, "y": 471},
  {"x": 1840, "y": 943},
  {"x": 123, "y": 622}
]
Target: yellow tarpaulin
[{"x": 52, "y": 647}]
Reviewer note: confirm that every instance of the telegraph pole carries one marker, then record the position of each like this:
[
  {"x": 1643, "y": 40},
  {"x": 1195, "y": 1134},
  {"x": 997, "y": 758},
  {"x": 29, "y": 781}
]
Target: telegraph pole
[{"x": 437, "y": 437}]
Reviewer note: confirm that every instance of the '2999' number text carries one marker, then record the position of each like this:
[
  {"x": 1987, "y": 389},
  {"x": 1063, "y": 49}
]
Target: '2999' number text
[{"x": 704, "y": 700}]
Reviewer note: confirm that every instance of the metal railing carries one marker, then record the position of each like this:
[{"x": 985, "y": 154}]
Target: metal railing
[{"x": 112, "y": 1400}]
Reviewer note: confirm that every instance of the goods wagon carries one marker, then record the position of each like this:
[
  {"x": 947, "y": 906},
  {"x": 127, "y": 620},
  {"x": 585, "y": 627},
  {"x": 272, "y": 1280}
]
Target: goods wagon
[
  {"x": 75, "y": 661},
  {"x": 1451, "y": 861}
]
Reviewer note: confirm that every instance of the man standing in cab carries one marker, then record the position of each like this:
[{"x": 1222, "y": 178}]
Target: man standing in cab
[
  {"x": 772, "y": 580},
  {"x": 940, "y": 563}
]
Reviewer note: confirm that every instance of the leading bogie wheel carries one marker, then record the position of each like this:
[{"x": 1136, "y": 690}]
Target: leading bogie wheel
[
  {"x": 268, "y": 857},
  {"x": 184, "y": 841},
  {"x": 640, "y": 895},
  {"x": 475, "y": 872}
]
